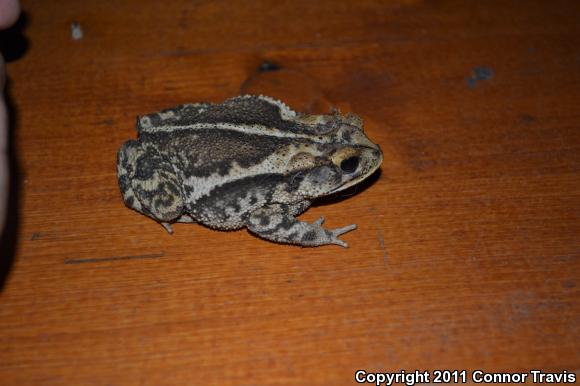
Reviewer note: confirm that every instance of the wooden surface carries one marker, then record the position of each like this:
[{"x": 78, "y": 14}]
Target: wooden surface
[{"x": 467, "y": 251}]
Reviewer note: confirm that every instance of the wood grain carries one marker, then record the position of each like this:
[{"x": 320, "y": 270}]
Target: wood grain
[{"x": 467, "y": 251}]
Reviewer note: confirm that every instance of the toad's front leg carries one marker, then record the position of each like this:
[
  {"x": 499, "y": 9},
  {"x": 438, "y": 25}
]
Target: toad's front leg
[{"x": 272, "y": 223}]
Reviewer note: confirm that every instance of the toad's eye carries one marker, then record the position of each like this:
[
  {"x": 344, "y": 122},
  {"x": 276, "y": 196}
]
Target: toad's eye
[{"x": 349, "y": 165}]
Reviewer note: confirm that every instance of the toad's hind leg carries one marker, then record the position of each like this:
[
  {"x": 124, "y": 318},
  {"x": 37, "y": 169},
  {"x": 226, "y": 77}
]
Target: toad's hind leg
[
  {"x": 149, "y": 184},
  {"x": 183, "y": 218}
]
